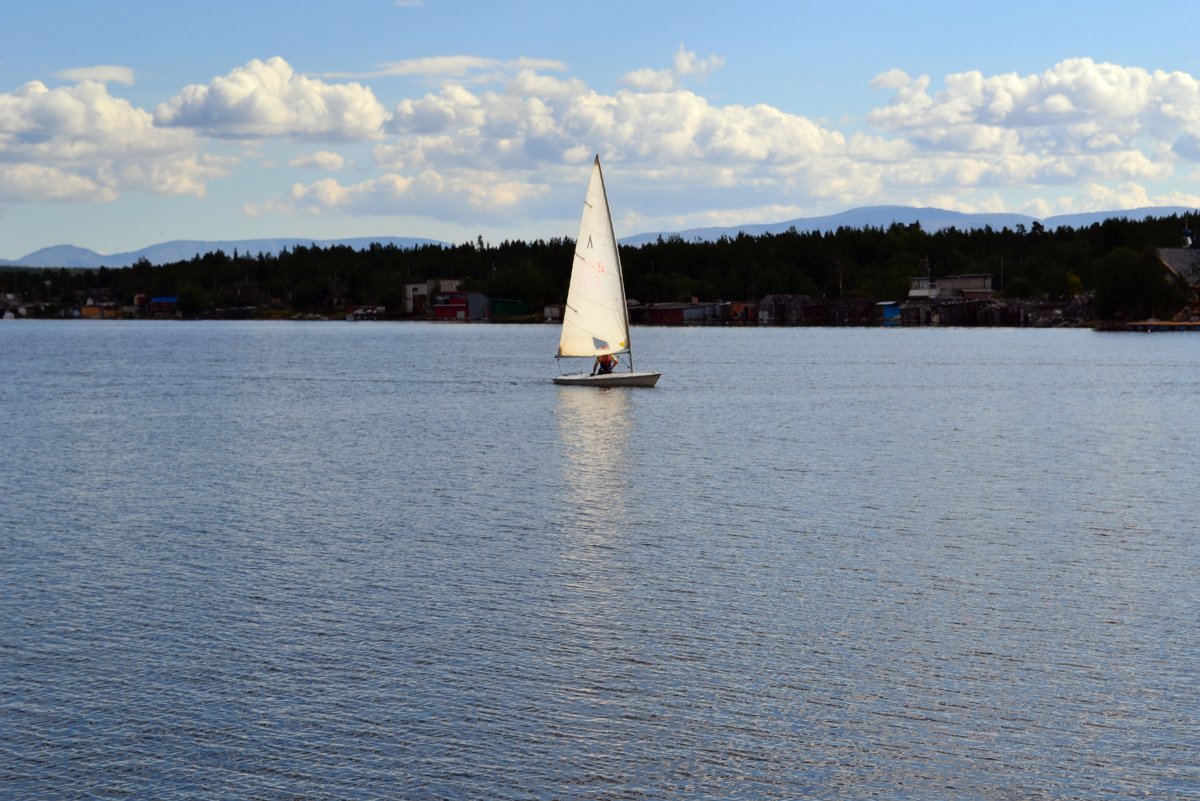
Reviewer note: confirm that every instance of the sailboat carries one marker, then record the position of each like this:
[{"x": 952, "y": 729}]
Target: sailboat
[{"x": 596, "y": 319}]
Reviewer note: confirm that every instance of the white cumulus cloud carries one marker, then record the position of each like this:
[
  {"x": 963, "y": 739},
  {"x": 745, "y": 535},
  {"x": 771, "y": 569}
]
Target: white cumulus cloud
[
  {"x": 463, "y": 69},
  {"x": 35, "y": 182},
  {"x": 493, "y": 139},
  {"x": 686, "y": 65},
  {"x": 485, "y": 196},
  {"x": 320, "y": 160},
  {"x": 1080, "y": 121},
  {"x": 102, "y": 73},
  {"x": 83, "y": 144},
  {"x": 1129, "y": 101},
  {"x": 270, "y": 99}
]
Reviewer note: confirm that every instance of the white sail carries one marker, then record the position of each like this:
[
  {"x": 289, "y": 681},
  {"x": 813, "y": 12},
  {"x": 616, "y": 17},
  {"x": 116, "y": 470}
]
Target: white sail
[{"x": 595, "y": 320}]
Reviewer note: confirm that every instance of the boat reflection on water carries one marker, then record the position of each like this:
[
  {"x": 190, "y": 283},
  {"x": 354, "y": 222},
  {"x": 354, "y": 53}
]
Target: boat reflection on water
[
  {"x": 594, "y": 431},
  {"x": 593, "y": 551}
]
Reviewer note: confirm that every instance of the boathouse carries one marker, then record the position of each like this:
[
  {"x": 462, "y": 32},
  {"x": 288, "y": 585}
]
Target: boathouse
[
  {"x": 460, "y": 306},
  {"x": 788, "y": 309},
  {"x": 977, "y": 286}
]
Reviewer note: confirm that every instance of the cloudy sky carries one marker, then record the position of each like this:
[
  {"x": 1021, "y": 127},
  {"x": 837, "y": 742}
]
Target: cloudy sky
[{"x": 124, "y": 124}]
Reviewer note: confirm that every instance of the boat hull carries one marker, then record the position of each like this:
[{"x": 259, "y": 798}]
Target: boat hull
[{"x": 608, "y": 380}]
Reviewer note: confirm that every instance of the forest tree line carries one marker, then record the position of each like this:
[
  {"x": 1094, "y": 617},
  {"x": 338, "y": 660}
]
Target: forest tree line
[{"x": 1115, "y": 261}]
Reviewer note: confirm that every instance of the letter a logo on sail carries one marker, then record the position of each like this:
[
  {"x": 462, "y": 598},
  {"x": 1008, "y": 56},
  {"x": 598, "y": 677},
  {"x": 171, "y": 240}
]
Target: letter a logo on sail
[{"x": 589, "y": 244}]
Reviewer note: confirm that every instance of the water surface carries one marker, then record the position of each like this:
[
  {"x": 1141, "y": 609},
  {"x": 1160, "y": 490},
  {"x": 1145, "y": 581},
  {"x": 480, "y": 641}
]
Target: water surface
[{"x": 373, "y": 560}]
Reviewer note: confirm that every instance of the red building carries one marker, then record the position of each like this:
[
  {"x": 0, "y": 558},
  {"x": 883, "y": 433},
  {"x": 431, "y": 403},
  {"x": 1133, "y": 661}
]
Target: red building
[{"x": 460, "y": 306}]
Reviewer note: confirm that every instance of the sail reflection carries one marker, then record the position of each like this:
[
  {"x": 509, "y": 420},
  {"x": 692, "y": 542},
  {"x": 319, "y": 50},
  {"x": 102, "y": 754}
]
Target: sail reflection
[{"x": 593, "y": 426}]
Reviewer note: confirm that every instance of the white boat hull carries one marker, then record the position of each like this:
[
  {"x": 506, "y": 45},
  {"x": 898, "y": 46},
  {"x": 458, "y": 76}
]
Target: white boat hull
[{"x": 608, "y": 380}]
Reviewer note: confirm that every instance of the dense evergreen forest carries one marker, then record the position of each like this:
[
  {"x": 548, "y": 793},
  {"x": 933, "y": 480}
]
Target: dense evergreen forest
[{"x": 1114, "y": 261}]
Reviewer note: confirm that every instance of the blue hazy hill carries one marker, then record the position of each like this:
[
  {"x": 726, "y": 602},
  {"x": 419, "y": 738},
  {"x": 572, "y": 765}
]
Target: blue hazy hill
[
  {"x": 931, "y": 219},
  {"x": 185, "y": 250}
]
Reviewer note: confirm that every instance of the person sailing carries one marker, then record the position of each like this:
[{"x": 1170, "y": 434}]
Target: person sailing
[{"x": 604, "y": 364}]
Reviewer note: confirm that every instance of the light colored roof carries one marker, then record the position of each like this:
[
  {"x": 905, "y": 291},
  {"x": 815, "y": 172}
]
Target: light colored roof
[{"x": 1184, "y": 262}]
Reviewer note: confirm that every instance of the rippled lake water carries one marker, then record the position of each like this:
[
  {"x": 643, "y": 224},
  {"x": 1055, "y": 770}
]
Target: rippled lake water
[{"x": 376, "y": 561}]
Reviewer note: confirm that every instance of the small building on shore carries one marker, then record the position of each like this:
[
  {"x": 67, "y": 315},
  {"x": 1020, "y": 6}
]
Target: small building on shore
[
  {"x": 417, "y": 295},
  {"x": 163, "y": 306},
  {"x": 693, "y": 313},
  {"x": 460, "y": 306},
  {"x": 1184, "y": 264},
  {"x": 743, "y": 312},
  {"x": 889, "y": 313},
  {"x": 509, "y": 308},
  {"x": 787, "y": 309},
  {"x": 977, "y": 286}
]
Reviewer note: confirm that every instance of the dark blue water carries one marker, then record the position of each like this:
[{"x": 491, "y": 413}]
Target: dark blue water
[{"x": 377, "y": 561}]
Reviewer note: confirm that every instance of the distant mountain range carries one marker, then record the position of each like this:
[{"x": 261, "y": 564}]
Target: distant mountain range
[
  {"x": 931, "y": 219},
  {"x": 185, "y": 250}
]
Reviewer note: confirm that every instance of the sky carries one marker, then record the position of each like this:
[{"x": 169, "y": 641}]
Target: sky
[{"x": 126, "y": 123}]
